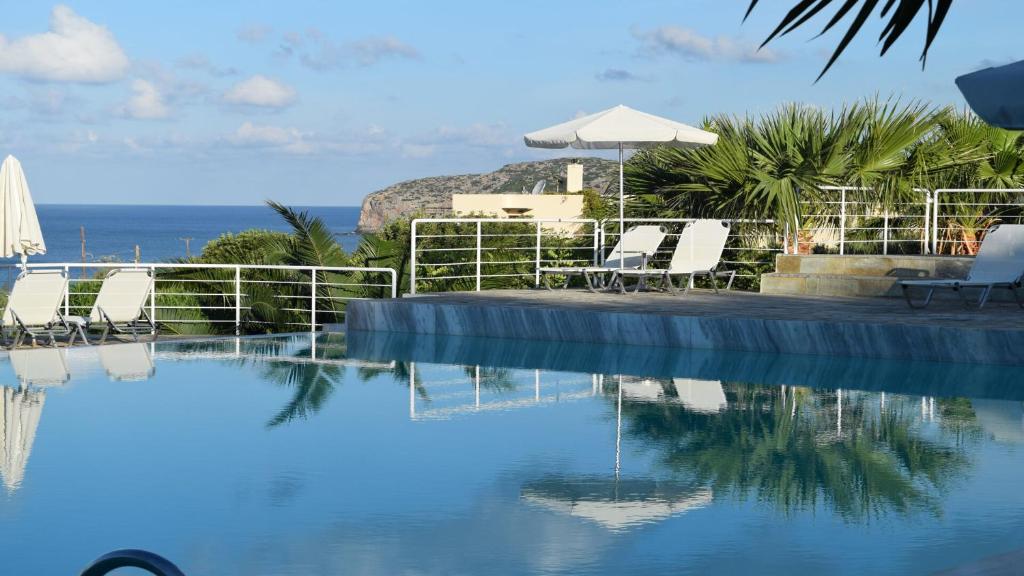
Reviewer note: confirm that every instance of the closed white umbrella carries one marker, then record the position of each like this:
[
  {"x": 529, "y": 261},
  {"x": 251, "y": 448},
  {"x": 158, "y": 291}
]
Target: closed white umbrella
[
  {"x": 620, "y": 127},
  {"x": 19, "y": 226},
  {"x": 996, "y": 94}
]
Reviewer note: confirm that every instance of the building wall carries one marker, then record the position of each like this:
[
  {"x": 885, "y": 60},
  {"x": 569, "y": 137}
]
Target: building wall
[{"x": 518, "y": 205}]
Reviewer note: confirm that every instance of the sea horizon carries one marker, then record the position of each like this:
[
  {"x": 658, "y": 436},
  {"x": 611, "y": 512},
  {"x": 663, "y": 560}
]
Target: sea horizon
[{"x": 113, "y": 230}]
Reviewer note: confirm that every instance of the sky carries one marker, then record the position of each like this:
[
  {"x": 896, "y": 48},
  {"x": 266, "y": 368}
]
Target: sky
[{"x": 321, "y": 102}]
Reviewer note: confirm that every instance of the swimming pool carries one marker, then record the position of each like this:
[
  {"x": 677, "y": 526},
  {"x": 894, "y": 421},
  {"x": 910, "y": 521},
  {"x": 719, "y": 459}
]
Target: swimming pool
[{"x": 388, "y": 454}]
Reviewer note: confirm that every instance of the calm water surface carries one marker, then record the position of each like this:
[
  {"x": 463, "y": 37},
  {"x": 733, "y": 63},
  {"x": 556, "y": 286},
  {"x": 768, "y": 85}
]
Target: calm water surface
[{"x": 397, "y": 455}]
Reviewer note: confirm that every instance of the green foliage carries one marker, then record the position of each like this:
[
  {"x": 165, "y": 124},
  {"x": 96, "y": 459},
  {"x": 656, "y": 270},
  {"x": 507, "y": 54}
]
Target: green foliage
[
  {"x": 775, "y": 166},
  {"x": 598, "y": 207},
  {"x": 248, "y": 247},
  {"x": 899, "y": 17}
]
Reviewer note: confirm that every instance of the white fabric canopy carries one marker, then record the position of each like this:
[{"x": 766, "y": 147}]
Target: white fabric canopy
[
  {"x": 618, "y": 128},
  {"x": 996, "y": 94},
  {"x": 19, "y": 226}
]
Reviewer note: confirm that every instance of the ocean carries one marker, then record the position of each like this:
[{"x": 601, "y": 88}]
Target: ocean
[{"x": 113, "y": 231}]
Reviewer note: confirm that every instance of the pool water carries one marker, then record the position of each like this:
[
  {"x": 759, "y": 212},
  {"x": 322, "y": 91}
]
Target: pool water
[{"x": 392, "y": 454}]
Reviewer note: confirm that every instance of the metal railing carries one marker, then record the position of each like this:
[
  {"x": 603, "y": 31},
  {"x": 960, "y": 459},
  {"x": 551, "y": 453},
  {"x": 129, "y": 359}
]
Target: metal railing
[
  {"x": 857, "y": 220},
  {"x": 478, "y": 253},
  {"x": 970, "y": 211},
  {"x": 463, "y": 253},
  {"x": 224, "y": 293}
]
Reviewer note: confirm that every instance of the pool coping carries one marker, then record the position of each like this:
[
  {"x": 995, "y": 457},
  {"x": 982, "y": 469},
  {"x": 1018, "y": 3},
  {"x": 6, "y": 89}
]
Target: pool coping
[{"x": 711, "y": 323}]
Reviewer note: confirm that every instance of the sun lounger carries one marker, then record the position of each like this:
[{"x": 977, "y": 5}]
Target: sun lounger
[
  {"x": 698, "y": 253},
  {"x": 120, "y": 306},
  {"x": 641, "y": 242},
  {"x": 127, "y": 362},
  {"x": 33, "y": 307},
  {"x": 998, "y": 264}
]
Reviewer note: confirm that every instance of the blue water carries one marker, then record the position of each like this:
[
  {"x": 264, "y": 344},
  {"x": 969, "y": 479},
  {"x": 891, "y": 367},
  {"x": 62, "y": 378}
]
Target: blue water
[
  {"x": 373, "y": 454},
  {"x": 113, "y": 231}
]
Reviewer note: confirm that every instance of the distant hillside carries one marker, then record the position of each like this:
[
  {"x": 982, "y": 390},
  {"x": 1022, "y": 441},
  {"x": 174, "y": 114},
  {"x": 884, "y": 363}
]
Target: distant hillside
[{"x": 433, "y": 195}]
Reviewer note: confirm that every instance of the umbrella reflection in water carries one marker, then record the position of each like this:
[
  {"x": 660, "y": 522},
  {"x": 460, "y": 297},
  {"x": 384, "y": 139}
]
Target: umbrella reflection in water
[
  {"x": 622, "y": 503},
  {"x": 23, "y": 406}
]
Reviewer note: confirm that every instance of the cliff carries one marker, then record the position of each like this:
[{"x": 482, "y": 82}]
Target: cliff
[{"x": 432, "y": 196}]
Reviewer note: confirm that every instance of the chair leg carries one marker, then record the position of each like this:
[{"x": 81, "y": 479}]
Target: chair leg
[
  {"x": 669, "y": 285},
  {"x": 910, "y": 301},
  {"x": 714, "y": 283},
  {"x": 983, "y": 297}
]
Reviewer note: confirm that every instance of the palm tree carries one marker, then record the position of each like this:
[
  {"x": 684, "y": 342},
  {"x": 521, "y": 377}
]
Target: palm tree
[{"x": 900, "y": 14}]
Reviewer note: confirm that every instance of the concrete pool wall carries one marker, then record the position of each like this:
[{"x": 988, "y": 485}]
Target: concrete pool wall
[{"x": 862, "y": 327}]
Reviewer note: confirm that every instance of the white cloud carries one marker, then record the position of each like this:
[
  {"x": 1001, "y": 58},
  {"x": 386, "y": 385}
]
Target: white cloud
[
  {"x": 417, "y": 150},
  {"x": 202, "y": 63},
  {"x": 266, "y": 136},
  {"x": 253, "y": 33},
  {"x": 146, "y": 103},
  {"x": 74, "y": 50},
  {"x": 692, "y": 45},
  {"x": 476, "y": 135},
  {"x": 617, "y": 75},
  {"x": 262, "y": 92},
  {"x": 320, "y": 53}
]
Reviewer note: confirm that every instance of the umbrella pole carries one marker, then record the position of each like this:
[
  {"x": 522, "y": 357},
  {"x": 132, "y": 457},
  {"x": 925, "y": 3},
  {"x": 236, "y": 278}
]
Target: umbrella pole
[{"x": 622, "y": 214}]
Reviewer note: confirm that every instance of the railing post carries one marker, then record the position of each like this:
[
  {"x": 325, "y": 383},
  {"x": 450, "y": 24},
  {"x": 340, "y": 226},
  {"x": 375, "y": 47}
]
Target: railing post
[
  {"x": 412, "y": 258},
  {"x": 536, "y": 273},
  {"x": 67, "y": 293},
  {"x": 394, "y": 282},
  {"x": 796, "y": 236},
  {"x": 785, "y": 238},
  {"x": 479, "y": 252},
  {"x": 238, "y": 300},
  {"x": 597, "y": 241},
  {"x": 152, "y": 299},
  {"x": 842, "y": 220},
  {"x": 935, "y": 222},
  {"x": 885, "y": 234},
  {"x": 926, "y": 241},
  {"x": 312, "y": 300}
]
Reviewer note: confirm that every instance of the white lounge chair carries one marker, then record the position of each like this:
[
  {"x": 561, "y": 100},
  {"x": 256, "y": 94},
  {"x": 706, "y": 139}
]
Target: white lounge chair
[
  {"x": 698, "y": 253},
  {"x": 33, "y": 307},
  {"x": 641, "y": 242},
  {"x": 998, "y": 264},
  {"x": 120, "y": 306}
]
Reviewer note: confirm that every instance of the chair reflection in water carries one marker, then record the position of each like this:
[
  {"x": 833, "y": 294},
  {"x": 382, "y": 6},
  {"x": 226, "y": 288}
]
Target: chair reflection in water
[{"x": 127, "y": 362}]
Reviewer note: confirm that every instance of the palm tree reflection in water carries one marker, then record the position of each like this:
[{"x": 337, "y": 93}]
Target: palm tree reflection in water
[{"x": 798, "y": 448}]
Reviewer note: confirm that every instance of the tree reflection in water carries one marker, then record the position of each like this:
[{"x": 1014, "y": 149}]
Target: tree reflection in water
[{"x": 794, "y": 448}]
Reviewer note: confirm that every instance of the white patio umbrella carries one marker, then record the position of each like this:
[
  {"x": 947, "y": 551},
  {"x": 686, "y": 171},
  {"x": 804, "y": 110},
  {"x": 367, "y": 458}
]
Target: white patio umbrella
[
  {"x": 19, "y": 226},
  {"x": 620, "y": 127},
  {"x": 996, "y": 94}
]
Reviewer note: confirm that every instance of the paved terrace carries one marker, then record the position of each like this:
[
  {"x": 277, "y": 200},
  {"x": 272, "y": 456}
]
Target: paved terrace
[{"x": 866, "y": 327}]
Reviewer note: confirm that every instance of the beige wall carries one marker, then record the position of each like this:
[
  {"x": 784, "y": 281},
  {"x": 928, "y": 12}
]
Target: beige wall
[{"x": 518, "y": 205}]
